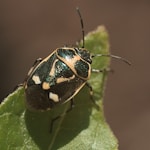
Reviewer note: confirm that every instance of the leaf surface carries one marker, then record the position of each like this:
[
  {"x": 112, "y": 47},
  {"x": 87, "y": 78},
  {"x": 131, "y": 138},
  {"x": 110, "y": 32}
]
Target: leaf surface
[{"x": 84, "y": 128}]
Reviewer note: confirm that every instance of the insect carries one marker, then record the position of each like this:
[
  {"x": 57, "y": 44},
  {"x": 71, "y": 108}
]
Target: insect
[{"x": 60, "y": 76}]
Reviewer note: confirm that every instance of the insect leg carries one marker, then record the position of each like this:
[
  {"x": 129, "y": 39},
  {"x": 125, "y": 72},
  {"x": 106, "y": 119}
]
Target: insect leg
[
  {"x": 71, "y": 106},
  {"x": 37, "y": 61},
  {"x": 91, "y": 95},
  {"x": 102, "y": 70},
  {"x": 17, "y": 86},
  {"x": 56, "y": 118}
]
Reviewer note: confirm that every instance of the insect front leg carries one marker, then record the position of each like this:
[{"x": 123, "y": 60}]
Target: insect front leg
[{"x": 37, "y": 61}]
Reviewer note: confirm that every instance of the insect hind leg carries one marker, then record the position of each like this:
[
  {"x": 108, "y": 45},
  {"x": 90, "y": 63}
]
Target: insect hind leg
[
  {"x": 58, "y": 117},
  {"x": 91, "y": 95}
]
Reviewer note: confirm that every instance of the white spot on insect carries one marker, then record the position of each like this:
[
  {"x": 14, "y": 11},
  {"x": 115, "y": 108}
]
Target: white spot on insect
[
  {"x": 45, "y": 86},
  {"x": 54, "y": 97},
  {"x": 52, "y": 72},
  {"x": 36, "y": 79},
  {"x": 62, "y": 79}
]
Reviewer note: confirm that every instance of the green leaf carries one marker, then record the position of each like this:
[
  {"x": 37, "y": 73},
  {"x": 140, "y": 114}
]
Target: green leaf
[{"x": 84, "y": 128}]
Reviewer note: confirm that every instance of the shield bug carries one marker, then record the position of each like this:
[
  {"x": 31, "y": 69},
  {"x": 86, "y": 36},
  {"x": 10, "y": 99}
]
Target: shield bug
[{"x": 60, "y": 76}]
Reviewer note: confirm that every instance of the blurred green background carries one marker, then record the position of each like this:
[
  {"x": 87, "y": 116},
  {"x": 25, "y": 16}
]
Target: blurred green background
[{"x": 33, "y": 29}]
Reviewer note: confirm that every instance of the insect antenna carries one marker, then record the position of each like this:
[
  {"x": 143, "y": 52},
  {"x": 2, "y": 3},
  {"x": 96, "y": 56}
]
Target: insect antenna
[
  {"x": 83, "y": 42},
  {"x": 82, "y": 26}
]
